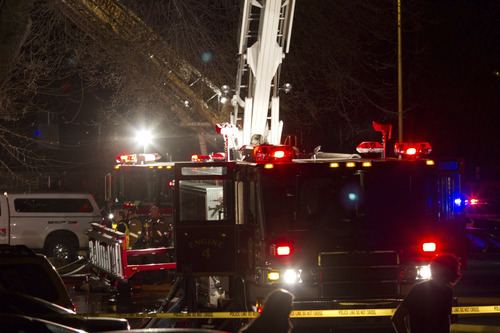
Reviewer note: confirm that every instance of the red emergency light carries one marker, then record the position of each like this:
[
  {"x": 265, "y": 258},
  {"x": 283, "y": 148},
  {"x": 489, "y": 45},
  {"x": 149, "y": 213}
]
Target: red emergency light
[
  {"x": 429, "y": 247},
  {"x": 473, "y": 201},
  {"x": 283, "y": 250},
  {"x": 219, "y": 156},
  {"x": 201, "y": 158},
  {"x": 370, "y": 147},
  {"x": 276, "y": 154},
  {"x": 412, "y": 150}
]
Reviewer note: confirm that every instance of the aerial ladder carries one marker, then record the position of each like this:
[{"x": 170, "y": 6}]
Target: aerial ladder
[
  {"x": 264, "y": 39},
  {"x": 182, "y": 83}
]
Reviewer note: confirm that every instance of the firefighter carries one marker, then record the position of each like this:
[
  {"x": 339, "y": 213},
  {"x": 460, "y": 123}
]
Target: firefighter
[
  {"x": 134, "y": 225},
  {"x": 120, "y": 224},
  {"x": 159, "y": 229}
]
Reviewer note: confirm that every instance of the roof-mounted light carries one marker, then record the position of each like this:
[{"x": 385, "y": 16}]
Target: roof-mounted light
[
  {"x": 412, "y": 150},
  {"x": 201, "y": 158},
  {"x": 208, "y": 158},
  {"x": 275, "y": 154},
  {"x": 370, "y": 147},
  {"x": 219, "y": 156},
  {"x": 138, "y": 158}
]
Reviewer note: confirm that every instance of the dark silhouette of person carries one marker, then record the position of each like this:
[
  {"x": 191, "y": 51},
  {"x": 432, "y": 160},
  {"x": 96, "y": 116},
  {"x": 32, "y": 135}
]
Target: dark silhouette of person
[
  {"x": 275, "y": 315},
  {"x": 159, "y": 231},
  {"x": 427, "y": 307},
  {"x": 134, "y": 226}
]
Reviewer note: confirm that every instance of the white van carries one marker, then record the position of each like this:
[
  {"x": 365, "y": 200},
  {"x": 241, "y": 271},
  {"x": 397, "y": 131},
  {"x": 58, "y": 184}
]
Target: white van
[{"x": 52, "y": 222}]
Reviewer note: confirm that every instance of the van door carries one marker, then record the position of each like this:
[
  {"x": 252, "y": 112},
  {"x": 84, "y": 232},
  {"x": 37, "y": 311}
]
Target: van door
[{"x": 4, "y": 221}]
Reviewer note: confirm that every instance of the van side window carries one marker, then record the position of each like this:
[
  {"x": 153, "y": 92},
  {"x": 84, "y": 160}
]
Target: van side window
[{"x": 52, "y": 205}]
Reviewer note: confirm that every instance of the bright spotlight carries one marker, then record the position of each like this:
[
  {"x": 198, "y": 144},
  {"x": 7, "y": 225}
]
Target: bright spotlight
[{"x": 143, "y": 137}]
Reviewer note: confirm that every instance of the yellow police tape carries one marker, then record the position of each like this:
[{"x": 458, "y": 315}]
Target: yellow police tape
[{"x": 461, "y": 310}]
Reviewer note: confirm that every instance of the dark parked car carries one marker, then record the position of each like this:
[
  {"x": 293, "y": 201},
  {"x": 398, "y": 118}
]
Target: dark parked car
[
  {"x": 11, "y": 323},
  {"x": 15, "y": 303},
  {"x": 30, "y": 286},
  {"x": 24, "y": 271}
]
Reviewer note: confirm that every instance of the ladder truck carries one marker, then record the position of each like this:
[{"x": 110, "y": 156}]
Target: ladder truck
[
  {"x": 337, "y": 230},
  {"x": 264, "y": 39}
]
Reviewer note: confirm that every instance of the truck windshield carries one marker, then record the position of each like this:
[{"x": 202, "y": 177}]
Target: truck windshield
[
  {"x": 143, "y": 186},
  {"x": 372, "y": 206}
]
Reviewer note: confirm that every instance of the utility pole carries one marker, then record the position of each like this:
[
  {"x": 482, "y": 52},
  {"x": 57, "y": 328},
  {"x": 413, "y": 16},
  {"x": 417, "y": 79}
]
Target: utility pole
[{"x": 400, "y": 79}]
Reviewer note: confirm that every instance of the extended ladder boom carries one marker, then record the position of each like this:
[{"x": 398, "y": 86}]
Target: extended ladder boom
[{"x": 264, "y": 39}]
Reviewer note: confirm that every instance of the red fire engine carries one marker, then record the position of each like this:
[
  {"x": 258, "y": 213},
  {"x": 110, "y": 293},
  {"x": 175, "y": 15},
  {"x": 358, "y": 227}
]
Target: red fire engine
[
  {"x": 141, "y": 179},
  {"x": 327, "y": 229},
  {"x": 334, "y": 229}
]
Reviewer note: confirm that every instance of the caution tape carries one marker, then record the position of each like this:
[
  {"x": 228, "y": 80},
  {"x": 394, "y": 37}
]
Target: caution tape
[
  {"x": 475, "y": 309},
  {"x": 461, "y": 310}
]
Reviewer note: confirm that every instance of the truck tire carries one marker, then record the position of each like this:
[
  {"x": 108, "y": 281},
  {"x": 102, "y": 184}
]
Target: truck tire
[{"x": 61, "y": 248}]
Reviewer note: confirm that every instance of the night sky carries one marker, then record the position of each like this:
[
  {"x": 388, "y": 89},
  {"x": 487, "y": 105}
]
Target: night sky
[{"x": 451, "y": 80}]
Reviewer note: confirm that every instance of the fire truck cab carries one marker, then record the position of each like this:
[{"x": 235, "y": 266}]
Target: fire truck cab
[{"x": 328, "y": 230}]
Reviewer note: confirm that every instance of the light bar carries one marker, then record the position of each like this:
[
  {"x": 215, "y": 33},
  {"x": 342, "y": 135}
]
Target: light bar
[
  {"x": 275, "y": 154},
  {"x": 412, "y": 150},
  {"x": 370, "y": 147},
  {"x": 201, "y": 158},
  {"x": 138, "y": 158}
]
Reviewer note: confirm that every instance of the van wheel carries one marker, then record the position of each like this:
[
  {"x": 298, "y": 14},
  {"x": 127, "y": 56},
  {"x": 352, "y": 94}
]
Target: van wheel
[{"x": 61, "y": 249}]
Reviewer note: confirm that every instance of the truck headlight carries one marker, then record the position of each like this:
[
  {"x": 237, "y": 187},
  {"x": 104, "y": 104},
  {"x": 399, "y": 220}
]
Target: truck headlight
[
  {"x": 292, "y": 276},
  {"x": 423, "y": 272}
]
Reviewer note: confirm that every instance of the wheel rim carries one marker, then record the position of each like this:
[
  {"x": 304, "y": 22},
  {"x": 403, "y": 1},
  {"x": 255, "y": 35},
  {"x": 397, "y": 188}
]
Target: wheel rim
[{"x": 61, "y": 251}]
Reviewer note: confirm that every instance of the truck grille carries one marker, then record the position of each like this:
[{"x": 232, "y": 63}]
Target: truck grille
[{"x": 358, "y": 274}]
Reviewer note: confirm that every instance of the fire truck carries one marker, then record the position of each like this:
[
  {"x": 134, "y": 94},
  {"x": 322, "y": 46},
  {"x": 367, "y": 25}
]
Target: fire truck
[
  {"x": 140, "y": 179},
  {"x": 337, "y": 230},
  {"x": 327, "y": 229}
]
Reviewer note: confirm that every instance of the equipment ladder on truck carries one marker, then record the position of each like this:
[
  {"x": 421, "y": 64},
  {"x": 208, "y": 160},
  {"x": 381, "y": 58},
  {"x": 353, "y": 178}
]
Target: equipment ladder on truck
[{"x": 109, "y": 254}]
